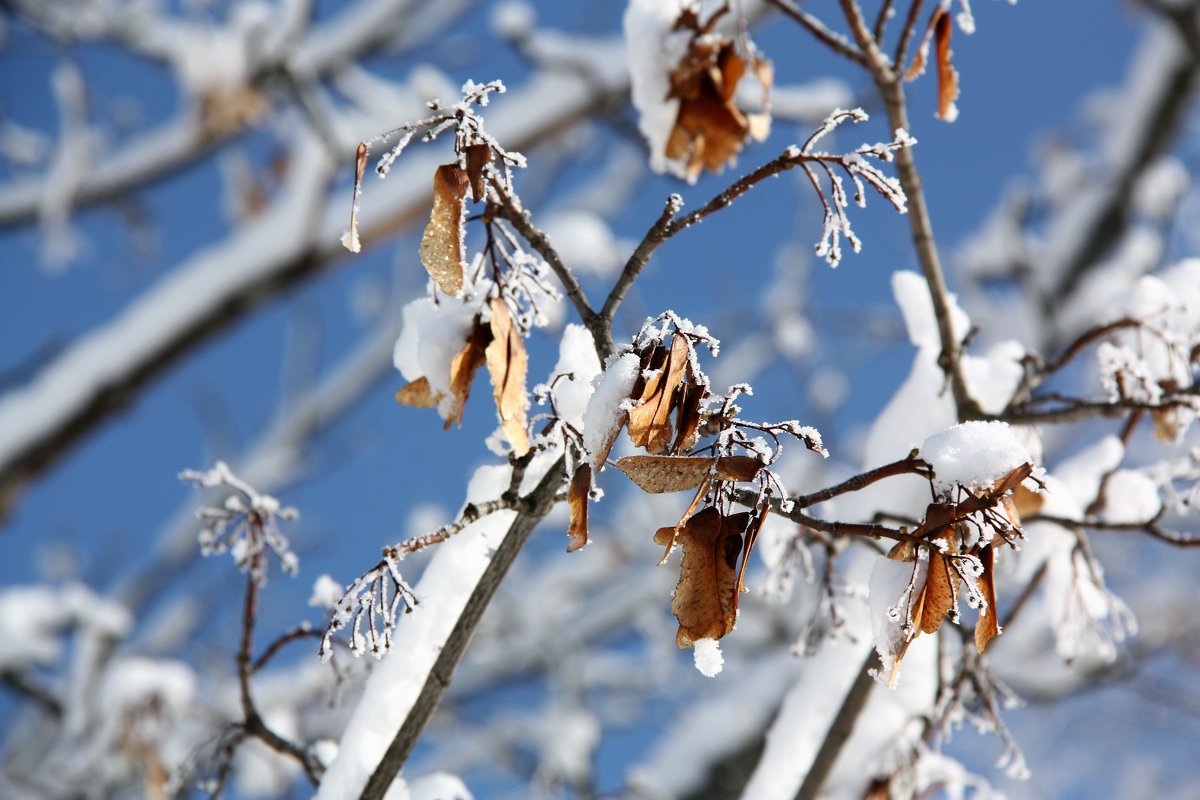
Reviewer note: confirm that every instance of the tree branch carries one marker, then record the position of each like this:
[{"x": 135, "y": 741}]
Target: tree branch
[
  {"x": 839, "y": 731},
  {"x": 834, "y": 41},
  {"x": 536, "y": 505},
  {"x": 891, "y": 90}
]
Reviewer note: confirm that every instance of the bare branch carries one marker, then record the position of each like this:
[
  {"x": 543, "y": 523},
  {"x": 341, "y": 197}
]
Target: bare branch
[{"x": 834, "y": 41}]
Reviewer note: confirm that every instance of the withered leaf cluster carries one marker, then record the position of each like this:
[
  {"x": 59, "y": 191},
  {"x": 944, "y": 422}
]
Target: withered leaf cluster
[
  {"x": 949, "y": 537},
  {"x": 499, "y": 345},
  {"x": 666, "y": 417},
  {"x": 709, "y": 128}
]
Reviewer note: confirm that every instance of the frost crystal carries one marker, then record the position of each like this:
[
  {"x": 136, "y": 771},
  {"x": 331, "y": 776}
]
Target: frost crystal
[{"x": 245, "y": 524}]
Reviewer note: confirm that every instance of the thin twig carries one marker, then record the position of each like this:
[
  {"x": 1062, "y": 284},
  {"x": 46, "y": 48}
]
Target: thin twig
[
  {"x": 910, "y": 25},
  {"x": 905, "y": 466},
  {"x": 286, "y": 638},
  {"x": 881, "y": 21},
  {"x": 1150, "y": 527},
  {"x": 511, "y": 208},
  {"x": 888, "y": 82},
  {"x": 834, "y": 41}
]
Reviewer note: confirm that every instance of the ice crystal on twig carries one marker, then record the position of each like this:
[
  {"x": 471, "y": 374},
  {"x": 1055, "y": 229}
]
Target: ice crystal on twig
[{"x": 245, "y": 524}]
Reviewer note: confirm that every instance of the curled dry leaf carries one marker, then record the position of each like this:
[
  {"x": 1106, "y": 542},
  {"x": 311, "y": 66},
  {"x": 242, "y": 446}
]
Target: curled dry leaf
[
  {"x": 940, "y": 594},
  {"x": 706, "y": 596},
  {"x": 463, "y": 368},
  {"x": 350, "y": 238},
  {"x": 660, "y": 474},
  {"x": 687, "y": 419},
  {"x": 577, "y": 500},
  {"x": 478, "y": 157},
  {"x": 988, "y": 625},
  {"x": 442, "y": 242},
  {"x": 649, "y": 421},
  {"x": 947, "y": 75},
  {"x": 507, "y": 364}
]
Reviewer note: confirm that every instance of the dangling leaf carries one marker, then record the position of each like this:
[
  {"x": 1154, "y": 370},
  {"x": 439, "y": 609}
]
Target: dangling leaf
[
  {"x": 947, "y": 75},
  {"x": 988, "y": 626},
  {"x": 703, "y": 601},
  {"x": 577, "y": 500},
  {"x": 463, "y": 368},
  {"x": 478, "y": 157},
  {"x": 507, "y": 363},
  {"x": 442, "y": 242}
]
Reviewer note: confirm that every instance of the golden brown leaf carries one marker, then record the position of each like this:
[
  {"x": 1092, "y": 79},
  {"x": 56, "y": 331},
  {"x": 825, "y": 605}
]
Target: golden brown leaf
[
  {"x": 478, "y": 157},
  {"x": 703, "y": 601},
  {"x": 988, "y": 625},
  {"x": 947, "y": 75},
  {"x": 940, "y": 592},
  {"x": 649, "y": 422},
  {"x": 418, "y": 395},
  {"x": 754, "y": 528},
  {"x": 659, "y": 474},
  {"x": 507, "y": 364},
  {"x": 577, "y": 500},
  {"x": 442, "y": 242},
  {"x": 463, "y": 367},
  {"x": 1027, "y": 501}
]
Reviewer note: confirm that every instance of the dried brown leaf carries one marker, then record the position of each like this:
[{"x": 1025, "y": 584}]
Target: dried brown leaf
[
  {"x": 463, "y": 367},
  {"x": 442, "y": 242},
  {"x": 350, "y": 240},
  {"x": 507, "y": 364},
  {"x": 703, "y": 601},
  {"x": 940, "y": 593},
  {"x": 577, "y": 500},
  {"x": 478, "y": 157},
  {"x": 687, "y": 418},
  {"x": 709, "y": 128},
  {"x": 660, "y": 474},
  {"x": 751, "y": 538},
  {"x": 418, "y": 395},
  {"x": 1027, "y": 501},
  {"x": 649, "y": 422},
  {"x": 947, "y": 75},
  {"x": 988, "y": 625}
]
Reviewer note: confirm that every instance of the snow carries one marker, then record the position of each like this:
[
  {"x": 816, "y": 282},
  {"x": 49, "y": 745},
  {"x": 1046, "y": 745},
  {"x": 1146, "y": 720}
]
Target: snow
[
  {"x": 431, "y": 335},
  {"x": 513, "y": 19},
  {"x": 168, "y": 312},
  {"x": 1130, "y": 497},
  {"x": 604, "y": 414},
  {"x": 974, "y": 454},
  {"x": 890, "y": 595},
  {"x": 326, "y": 592},
  {"x": 438, "y": 786},
  {"x": 32, "y": 617},
  {"x": 584, "y": 241},
  {"x": 708, "y": 658},
  {"x": 577, "y": 356},
  {"x": 654, "y": 51}
]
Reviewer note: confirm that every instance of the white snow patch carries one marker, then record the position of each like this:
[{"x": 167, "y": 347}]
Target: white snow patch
[
  {"x": 654, "y": 50},
  {"x": 708, "y": 658},
  {"x": 604, "y": 415},
  {"x": 974, "y": 454},
  {"x": 326, "y": 592},
  {"x": 576, "y": 356},
  {"x": 1130, "y": 496}
]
